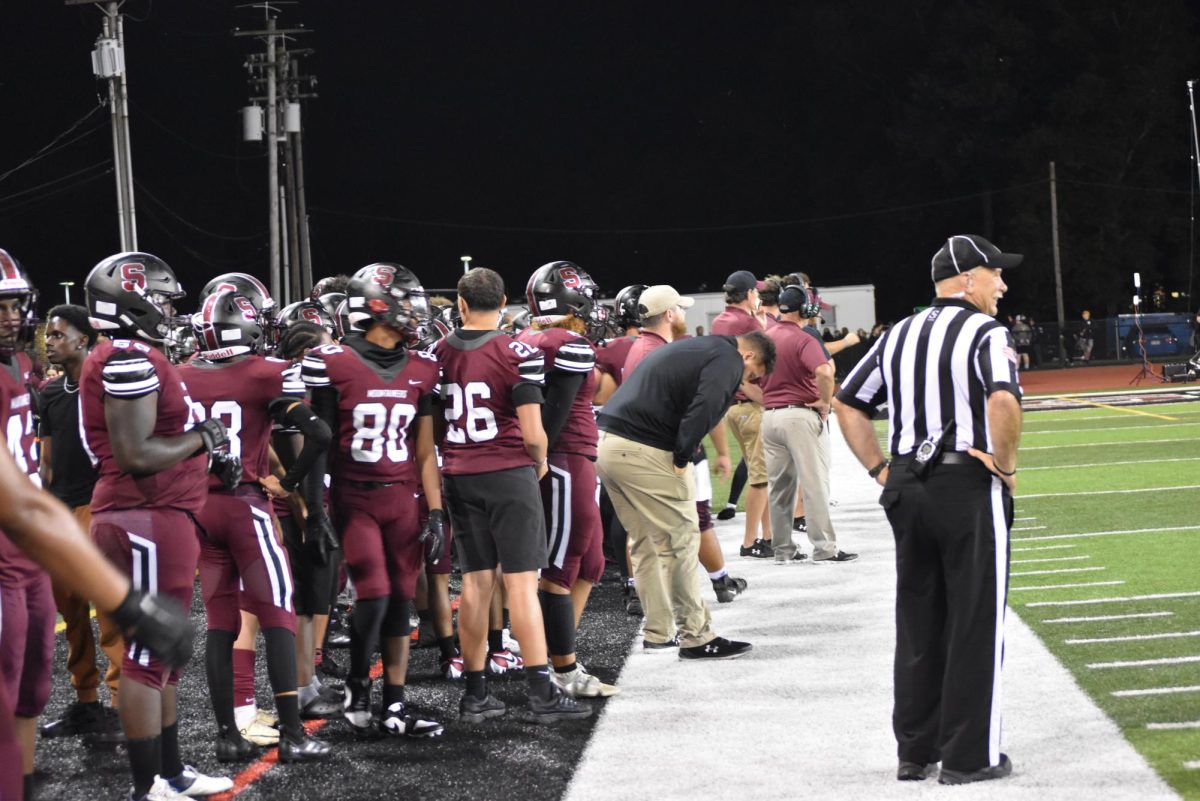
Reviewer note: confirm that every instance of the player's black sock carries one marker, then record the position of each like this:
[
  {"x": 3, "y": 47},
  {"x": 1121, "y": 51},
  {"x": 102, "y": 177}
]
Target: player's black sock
[
  {"x": 392, "y": 694},
  {"x": 29, "y": 787},
  {"x": 145, "y": 759},
  {"x": 740, "y": 474},
  {"x": 287, "y": 707},
  {"x": 476, "y": 683},
  {"x": 172, "y": 763},
  {"x": 558, "y": 616},
  {"x": 447, "y": 647},
  {"x": 364, "y": 634},
  {"x": 506, "y": 619},
  {"x": 218, "y": 667},
  {"x": 566, "y": 668},
  {"x": 495, "y": 640},
  {"x": 538, "y": 679},
  {"x": 281, "y": 670}
]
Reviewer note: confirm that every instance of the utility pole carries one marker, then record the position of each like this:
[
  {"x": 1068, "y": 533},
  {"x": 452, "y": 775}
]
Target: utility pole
[
  {"x": 1058, "y": 293},
  {"x": 269, "y": 72},
  {"x": 108, "y": 63},
  {"x": 297, "y": 137}
]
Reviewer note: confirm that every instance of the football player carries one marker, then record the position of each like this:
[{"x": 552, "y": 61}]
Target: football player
[
  {"x": 494, "y": 452},
  {"x": 371, "y": 391},
  {"x": 153, "y": 481},
  {"x": 229, "y": 381},
  {"x": 563, "y": 306}
]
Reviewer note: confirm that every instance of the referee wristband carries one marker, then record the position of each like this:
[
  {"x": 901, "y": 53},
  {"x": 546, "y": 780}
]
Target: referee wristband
[
  {"x": 1001, "y": 472},
  {"x": 877, "y": 469}
]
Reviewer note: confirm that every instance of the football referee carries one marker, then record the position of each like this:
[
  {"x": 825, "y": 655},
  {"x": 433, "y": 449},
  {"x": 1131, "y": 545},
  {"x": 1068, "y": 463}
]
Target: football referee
[{"x": 949, "y": 377}]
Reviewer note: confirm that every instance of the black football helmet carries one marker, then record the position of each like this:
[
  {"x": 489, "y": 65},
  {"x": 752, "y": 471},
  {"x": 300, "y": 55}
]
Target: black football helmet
[
  {"x": 625, "y": 305},
  {"x": 133, "y": 293},
  {"x": 254, "y": 291},
  {"x": 181, "y": 342},
  {"x": 561, "y": 288},
  {"x": 228, "y": 324},
  {"x": 332, "y": 283},
  {"x": 519, "y": 322},
  {"x": 308, "y": 311},
  {"x": 15, "y": 284},
  {"x": 388, "y": 294}
]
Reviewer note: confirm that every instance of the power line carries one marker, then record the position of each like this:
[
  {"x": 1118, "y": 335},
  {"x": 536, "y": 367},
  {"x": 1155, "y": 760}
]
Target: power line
[
  {"x": 45, "y": 150},
  {"x": 1125, "y": 187},
  {"x": 165, "y": 128},
  {"x": 104, "y": 163},
  {"x": 683, "y": 229},
  {"x": 57, "y": 191},
  {"x": 141, "y": 186}
]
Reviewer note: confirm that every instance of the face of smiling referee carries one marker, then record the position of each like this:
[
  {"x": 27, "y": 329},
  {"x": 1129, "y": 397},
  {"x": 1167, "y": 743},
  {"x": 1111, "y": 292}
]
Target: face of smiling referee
[{"x": 984, "y": 288}]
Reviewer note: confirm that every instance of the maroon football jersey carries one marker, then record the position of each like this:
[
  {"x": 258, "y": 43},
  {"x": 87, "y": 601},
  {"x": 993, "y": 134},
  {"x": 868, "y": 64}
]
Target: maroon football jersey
[
  {"x": 568, "y": 352},
  {"x": 125, "y": 368},
  {"x": 16, "y": 413},
  {"x": 797, "y": 356},
  {"x": 478, "y": 379},
  {"x": 376, "y": 407},
  {"x": 610, "y": 357},
  {"x": 240, "y": 394}
]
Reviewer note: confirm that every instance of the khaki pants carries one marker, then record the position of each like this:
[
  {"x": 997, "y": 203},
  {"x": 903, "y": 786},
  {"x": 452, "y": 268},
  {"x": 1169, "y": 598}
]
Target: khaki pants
[
  {"x": 658, "y": 509},
  {"x": 81, "y": 645},
  {"x": 745, "y": 421},
  {"x": 796, "y": 445}
]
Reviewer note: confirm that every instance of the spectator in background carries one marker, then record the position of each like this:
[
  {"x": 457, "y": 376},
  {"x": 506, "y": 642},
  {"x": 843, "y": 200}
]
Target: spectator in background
[
  {"x": 699, "y": 330},
  {"x": 1022, "y": 334},
  {"x": 1086, "y": 340}
]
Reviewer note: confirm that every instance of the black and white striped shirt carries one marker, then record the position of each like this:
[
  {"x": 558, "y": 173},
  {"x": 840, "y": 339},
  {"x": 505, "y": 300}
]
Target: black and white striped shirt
[{"x": 935, "y": 370}]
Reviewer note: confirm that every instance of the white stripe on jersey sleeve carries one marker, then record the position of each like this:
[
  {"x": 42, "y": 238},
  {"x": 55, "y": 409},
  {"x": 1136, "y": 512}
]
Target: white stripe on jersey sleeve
[
  {"x": 293, "y": 383},
  {"x": 132, "y": 389},
  {"x": 533, "y": 369},
  {"x": 313, "y": 373},
  {"x": 575, "y": 357},
  {"x": 129, "y": 376}
]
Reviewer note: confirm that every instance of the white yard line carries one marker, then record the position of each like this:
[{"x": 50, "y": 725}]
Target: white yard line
[
  {"x": 1165, "y": 635},
  {"x": 1022, "y": 519},
  {"x": 1099, "y": 444},
  {"x": 1102, "y": 618},
  {"x": 1109, "y": 464},
  {"x": 1142, "y": 427},
  {"x": 1193, "y": 764},
  {"x": 1167, "y": 660},
  {"x": 1109, "y": 492},
  {"x": 1029, "y": 528},
  {"x": 1109, "y": 533},
  {"x": 1066, "y": 586},
  {"x": 821, "y": 728},
  {"x": 1157, "y": 596},
  {"x": 1042, "y": 548},
  {"x": 1183, "y": 724},
  {"x": 1059, "y": 570},
  {"x": 1048, "y": 559},
  {"x": 1155, "y": 691}
]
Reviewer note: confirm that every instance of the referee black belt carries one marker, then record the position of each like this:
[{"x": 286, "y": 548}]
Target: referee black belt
[
  {"x": 371, "y": 485},
  {"x": 949, "y": 457}
]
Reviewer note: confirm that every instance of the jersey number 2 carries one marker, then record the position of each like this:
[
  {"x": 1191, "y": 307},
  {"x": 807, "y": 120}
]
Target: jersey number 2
[{"x": 478, "y": 423}]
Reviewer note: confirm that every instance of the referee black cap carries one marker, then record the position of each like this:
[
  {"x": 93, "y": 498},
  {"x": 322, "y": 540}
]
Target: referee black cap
[{"x": 964, "y": 252}]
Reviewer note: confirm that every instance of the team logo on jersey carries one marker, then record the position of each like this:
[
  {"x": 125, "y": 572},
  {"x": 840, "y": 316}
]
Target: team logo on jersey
[{"x": 133, "y": 277}]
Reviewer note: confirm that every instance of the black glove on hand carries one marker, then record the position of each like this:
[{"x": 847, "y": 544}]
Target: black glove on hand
[
  {"x": 215, "y": 437},
  {"x": 157, "y": 622},
  {"x": 320, "y": 538},
  {"x": 433, "y": 536},
  {"x": 226, "y": 467}
]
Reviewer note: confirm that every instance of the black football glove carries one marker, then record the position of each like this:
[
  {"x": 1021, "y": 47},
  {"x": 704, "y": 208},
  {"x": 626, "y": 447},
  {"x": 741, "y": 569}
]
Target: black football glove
[
  {"x": 157, "y": 622},
  {"x": 320, "y": 538},
  {"x": 433, "y": 536},
  {"x": 215, "y": 437},
  {"x": 226, "y": 467}
]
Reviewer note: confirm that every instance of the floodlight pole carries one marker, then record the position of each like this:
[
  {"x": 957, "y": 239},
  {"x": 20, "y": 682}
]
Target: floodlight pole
[
  {"x": 1058, "y": 290},
  {"x": 1195, "y": 161}
]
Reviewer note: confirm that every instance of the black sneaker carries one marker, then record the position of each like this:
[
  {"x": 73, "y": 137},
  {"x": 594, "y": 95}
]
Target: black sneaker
[
  {"x": 633, "y": 604},
  {"x": 80, "y": 718},
  {"x": 800, "y": 524},
  {"x": 557, "y": 708},
  {"x": 727, "y": 588},
  {"x": 840, "y": 556},
  {"x": 915, "y": 771},
  {"x": 233, "y": 747},
  {"x": 302, "y": 748},
  {"x": 982, "y": 775},
  {"x": 716, "y": 648},
  {"x": 477, "y": 710},
  {"x": 659, "y": 647},
  {"x": 761, "y": 549},
  {"x": 727, "y": 513},
  {"x": 798, "y": 556},
  {"x": 397, "y": 721},
  {"x": 328, "y": 667}
]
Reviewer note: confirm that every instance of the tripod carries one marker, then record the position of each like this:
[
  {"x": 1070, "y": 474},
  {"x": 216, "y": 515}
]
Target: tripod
[{"x": 1147, "y": 371}]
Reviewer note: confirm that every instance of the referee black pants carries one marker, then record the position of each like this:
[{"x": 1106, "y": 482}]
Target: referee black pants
[{"x": 951, "y": 532}]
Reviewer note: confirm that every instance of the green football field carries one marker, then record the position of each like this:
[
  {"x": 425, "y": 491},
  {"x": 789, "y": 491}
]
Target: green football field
[{"x": 1106, "y": 565}]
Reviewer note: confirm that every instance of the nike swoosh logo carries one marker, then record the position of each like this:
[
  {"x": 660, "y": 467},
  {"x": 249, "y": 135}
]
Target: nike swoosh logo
[{"x": 412, "y": 383}]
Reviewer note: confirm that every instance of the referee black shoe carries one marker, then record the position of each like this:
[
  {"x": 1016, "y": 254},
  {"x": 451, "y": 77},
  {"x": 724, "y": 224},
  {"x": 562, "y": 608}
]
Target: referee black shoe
[
  {"x": 915, "y": 771},
  {"x": 716, "y": 648},
  {"x": 982, "y": 775},
  {"x": 761, "y": 549}
]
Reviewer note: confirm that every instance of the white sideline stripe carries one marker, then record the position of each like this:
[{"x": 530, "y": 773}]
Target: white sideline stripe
[
  {"x": 1109, "y": 492},
  {"x": 1155, "y": 691},
  {"x": 1059, "y": 570},
  {"x": 1155, "y": 597},
  {"x": 1101, "y": 618},
  {"x": 1043, "y": 548},
  {"x": 1107, "y": 533},
  {"x": 1098, "y": 444},
  {"x": 1183, "y": 724},
  {"x": 1169, "y": 660},
  {"x": 1166, "y": 635},
  {"x": 1111, "y": 464},
  {"x": 1029, "y": 528},
  {"x": 1048, "y": 559},
  {"x": 1192, "y": 765},
  {"x": 1066, "y": 586},
  {"x": 1020, "y": 519},
  {"x": 1108, "y": 428}
]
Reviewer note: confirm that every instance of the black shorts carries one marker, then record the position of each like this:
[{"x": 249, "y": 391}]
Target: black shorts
[
  {"x": 497, "y": 519},
  {"x": 315, "y": 584}
]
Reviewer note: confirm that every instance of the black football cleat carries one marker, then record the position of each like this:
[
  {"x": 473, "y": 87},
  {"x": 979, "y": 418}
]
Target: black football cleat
[
  {"x": 397, "y": 721},
  {"x": 477, "y": 710},
  {"x": 233, "y": 747},
  {"x": 80, "y": 718},
  {"x": 558, "y": 708},
  {"x": 302, "y": 748}
]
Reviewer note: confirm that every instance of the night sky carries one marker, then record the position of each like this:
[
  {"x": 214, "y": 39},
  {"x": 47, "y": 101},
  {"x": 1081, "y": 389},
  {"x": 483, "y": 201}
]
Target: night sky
[{"x": 648, "y": 142}]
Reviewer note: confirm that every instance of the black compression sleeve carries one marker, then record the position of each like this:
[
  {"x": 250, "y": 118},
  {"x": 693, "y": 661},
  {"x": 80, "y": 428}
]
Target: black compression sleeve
[
  {"x": 317, "y": 436},
  {"x": 526, "y": 392},
  {"x": 324, "y": 406},
  {"x": 561, "y": 389}
]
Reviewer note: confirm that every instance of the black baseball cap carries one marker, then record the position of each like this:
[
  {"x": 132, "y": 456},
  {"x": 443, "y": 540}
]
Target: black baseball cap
[
  {"x": 742, "y": 281},
  {"x": 964, "y": 252},
  {"x": 792, "y": 298}
]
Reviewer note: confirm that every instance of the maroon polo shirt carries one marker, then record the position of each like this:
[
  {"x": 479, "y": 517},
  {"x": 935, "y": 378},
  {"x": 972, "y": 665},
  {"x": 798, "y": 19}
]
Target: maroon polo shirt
[{"x": 797, "y": 357}]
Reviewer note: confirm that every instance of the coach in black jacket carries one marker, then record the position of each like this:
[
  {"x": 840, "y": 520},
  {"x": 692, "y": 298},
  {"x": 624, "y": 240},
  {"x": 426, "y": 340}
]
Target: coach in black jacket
[{"x": 650, "y": 428}]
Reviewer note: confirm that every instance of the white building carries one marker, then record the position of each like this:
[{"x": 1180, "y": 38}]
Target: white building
[{"x": 851, "y": 307}]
